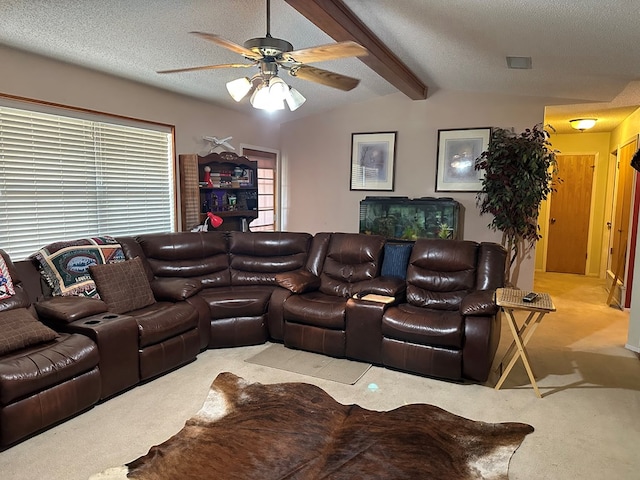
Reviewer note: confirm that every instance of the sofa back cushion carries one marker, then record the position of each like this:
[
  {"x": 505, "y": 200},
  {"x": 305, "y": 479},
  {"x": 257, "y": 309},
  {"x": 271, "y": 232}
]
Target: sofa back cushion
[
  {"x": 351, "y": 258},
  {"x": 441, "y": 273},
  {"x": 201, "y": 255},
  {"x": 256, "y": 257}
]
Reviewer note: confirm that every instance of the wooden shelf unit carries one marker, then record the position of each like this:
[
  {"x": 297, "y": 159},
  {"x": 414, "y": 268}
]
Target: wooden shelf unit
[{"x": 232, "y": 193}]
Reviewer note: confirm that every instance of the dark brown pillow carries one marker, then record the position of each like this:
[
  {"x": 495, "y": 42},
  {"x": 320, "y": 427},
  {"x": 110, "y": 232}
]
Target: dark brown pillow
[
  {"x": 123, "y": 286},
  {"x": 19, "y": 329}
]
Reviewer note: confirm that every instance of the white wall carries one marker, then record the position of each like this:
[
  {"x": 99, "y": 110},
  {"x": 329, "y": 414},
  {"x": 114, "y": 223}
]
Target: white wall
[{"x": 317, "y": 150}]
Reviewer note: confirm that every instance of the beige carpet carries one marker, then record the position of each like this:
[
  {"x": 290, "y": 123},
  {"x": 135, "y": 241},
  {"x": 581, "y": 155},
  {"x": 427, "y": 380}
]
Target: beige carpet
[
  {"x": 586, "y": 426},
  {"x": 312, "y": 364}
]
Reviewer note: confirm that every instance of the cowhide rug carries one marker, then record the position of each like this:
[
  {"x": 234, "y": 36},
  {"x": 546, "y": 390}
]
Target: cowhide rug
[{"x": 297, "y": 431}]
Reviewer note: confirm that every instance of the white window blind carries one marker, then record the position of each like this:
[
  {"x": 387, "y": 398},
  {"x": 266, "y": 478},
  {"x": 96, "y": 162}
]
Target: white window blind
[{"x": 63, "y": 178}]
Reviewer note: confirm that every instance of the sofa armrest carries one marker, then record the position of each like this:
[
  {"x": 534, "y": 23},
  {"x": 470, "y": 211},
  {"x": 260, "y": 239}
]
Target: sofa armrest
[
  {"x": 298, "y": 281},
  {"x": 387, "y": 286},
  {"x": 175, "y": 289},
  {"x": 479, "y": 302},
  {"x": 67, "y": 309}
]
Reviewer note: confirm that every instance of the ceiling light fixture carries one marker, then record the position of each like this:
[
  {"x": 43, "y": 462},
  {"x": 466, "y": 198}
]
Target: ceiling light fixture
[
  {"x": 583, "y": 124},
  {"x": 270, "y": 93}
]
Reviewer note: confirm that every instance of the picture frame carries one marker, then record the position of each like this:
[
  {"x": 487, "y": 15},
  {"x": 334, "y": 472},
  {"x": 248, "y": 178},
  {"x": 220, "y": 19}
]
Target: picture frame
[
  {"x": 458, "y": 150},
  {"x": 373, "y": 158}
]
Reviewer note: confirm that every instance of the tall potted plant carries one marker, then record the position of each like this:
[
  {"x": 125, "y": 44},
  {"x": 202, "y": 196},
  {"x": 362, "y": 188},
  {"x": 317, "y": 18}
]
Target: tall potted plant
[{"x": 519, "y": 173}]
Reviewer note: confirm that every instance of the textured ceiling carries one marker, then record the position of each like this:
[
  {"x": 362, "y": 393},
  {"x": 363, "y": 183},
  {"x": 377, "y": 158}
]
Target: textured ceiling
[{"x": 585, "y": 54}]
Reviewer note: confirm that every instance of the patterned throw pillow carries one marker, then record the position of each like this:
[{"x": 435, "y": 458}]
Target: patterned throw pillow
[
  {"x": 65, "y": 265},
  {"x": 123, "y": 286},
  {"x": 6, "y": 284},
  {"x": 20, "y": 329}
]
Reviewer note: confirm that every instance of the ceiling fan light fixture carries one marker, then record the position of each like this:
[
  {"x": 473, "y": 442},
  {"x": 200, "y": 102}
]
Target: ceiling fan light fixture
[
  {"x": 263, "y": 99},
  {"x": 294, "y": 99},
  {"x": 583, "y": 124},
  {"x": 239, "y": 88},
  {"x": 277, "y": 88}
]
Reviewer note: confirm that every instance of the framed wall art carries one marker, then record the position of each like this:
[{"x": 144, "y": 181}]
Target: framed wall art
[
  {"x": 458, "y": 150},
  {"x": 373, "y": 161}
]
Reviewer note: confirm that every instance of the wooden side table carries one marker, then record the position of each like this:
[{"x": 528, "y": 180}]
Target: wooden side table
[{"x": 510, "y": 300}]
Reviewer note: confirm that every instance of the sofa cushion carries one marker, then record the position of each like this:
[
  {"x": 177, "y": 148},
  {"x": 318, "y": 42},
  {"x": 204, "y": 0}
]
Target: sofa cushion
[
  {"x": 36, "y": 368},
  {"x": 19, "y": 329},
  {"x": 423, "y": 326},
  {"x": 317, "y": 309},
  {"x": 6, "y": 283},
  {"x": 243, "y": 301},
  {"x": 163, "y": 320},
  {"x": 123, "y": 286},
  {"x": 65, "y": 265}
]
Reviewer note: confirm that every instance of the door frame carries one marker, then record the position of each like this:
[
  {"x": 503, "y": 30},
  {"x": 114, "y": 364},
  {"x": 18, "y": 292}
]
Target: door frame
[
  {"x": 279, "y": 194},
  {"x": 547, "y": 214}
]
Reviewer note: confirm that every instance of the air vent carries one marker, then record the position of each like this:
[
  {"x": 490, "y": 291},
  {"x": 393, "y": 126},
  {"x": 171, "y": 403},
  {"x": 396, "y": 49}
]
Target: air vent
[{"x": 521, "y": 63}]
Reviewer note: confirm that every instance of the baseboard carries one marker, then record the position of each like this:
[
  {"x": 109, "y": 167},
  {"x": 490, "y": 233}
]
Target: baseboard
[{"x": 632, "y": 348}]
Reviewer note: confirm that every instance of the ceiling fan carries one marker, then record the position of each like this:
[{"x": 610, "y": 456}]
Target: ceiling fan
[{"x": 270, "y": 92}]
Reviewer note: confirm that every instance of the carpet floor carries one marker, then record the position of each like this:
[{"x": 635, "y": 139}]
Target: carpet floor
[{"x": 586, "y": 425}]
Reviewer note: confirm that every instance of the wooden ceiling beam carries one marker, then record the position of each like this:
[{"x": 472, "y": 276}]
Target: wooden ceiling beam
[{"x": 340, "y": 23}]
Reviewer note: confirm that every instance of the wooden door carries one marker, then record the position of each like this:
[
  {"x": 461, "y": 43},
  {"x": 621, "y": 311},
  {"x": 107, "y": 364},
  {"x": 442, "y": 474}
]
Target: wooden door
[
  {"x": 622, "y": 209},
  {"x": 569, "y": 215}
]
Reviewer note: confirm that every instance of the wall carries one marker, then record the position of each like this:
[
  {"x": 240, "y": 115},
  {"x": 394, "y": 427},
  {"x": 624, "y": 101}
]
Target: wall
[
  {"x": 587, "y": 143},
  {"x": 316, "y": 156}
]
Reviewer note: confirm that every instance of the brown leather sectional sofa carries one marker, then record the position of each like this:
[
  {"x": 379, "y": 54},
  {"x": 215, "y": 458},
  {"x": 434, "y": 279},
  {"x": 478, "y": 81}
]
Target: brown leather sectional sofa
[{"x": 226, "y": 289}]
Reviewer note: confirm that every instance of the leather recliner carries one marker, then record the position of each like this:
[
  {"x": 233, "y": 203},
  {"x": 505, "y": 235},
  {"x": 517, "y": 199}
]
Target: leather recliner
[
  {"x": 340, "y": 266},
  {"x": 47, "y": 382},
  {"x": 448, "y": 326}
]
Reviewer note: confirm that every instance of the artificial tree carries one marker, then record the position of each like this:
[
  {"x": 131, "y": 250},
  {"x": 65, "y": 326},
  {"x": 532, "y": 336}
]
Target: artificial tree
[{"x": 519, "y": 174}]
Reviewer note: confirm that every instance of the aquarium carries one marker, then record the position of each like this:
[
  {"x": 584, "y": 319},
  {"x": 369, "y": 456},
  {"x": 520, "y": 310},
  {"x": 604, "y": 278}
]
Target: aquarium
[{"x": 403, "y": 218}]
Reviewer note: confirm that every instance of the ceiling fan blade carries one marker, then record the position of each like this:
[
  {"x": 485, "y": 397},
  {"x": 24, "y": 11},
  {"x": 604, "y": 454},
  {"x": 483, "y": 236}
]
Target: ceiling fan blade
[
  {"x": 324, "y": 77},
  {"x": 322, "y": 53},
  {"x": 208, "y": 67},
  {"x": 228, "y": 44}
]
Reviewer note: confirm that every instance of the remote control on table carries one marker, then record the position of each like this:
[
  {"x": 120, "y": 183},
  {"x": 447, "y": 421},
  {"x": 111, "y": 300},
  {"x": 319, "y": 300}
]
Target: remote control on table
[{"x": 530, "y": 297}]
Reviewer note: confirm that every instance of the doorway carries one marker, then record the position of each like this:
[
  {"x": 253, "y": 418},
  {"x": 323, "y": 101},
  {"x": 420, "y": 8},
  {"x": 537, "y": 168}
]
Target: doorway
[{"x": 569, "y": 215}]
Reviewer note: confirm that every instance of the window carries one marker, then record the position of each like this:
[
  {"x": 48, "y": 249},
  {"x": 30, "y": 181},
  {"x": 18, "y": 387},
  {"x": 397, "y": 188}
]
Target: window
[
  {"x": 267, "y": 175},
  {"x": 63, "y": 177}
]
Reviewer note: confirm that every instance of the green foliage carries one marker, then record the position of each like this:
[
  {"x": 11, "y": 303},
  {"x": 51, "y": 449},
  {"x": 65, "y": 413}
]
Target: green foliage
[{"x": 519, "y": 171}]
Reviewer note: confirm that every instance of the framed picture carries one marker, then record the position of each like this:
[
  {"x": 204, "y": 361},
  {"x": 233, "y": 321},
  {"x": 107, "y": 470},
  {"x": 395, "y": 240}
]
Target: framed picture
[
  {"x": 458, "y": 150},
  {"x": 373, "y": 161}
]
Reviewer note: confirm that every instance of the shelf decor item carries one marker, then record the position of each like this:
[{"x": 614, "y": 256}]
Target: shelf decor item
[
  {"x": 373, "y": 161},
  {"x": 458, "y": 150}
]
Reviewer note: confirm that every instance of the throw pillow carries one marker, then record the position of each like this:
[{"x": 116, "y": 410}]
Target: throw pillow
[
  {"x": 396, "y": 259},
  {"x": 123, "y": 286},
  {"x": 20, "y": 329},
  {"x": 65, "y": 265},
  {"x": 6, "y": 284}
]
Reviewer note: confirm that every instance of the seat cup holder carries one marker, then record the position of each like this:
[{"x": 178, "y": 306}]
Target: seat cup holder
[
  {"x": 109, "y": 317},
  {"x": 91, "y": 322}
]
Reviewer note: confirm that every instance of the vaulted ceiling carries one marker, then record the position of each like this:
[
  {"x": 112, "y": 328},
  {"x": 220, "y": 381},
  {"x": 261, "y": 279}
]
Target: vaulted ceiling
[{"x": 585, "y": 55}]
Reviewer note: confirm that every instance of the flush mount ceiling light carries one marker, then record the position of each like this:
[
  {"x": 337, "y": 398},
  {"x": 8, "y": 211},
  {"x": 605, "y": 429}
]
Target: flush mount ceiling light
[{"x": 582, "y": 124}]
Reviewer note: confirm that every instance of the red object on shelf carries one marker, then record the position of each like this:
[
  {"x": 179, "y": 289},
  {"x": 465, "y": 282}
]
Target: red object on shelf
[{"x": 214, "y": 220}]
